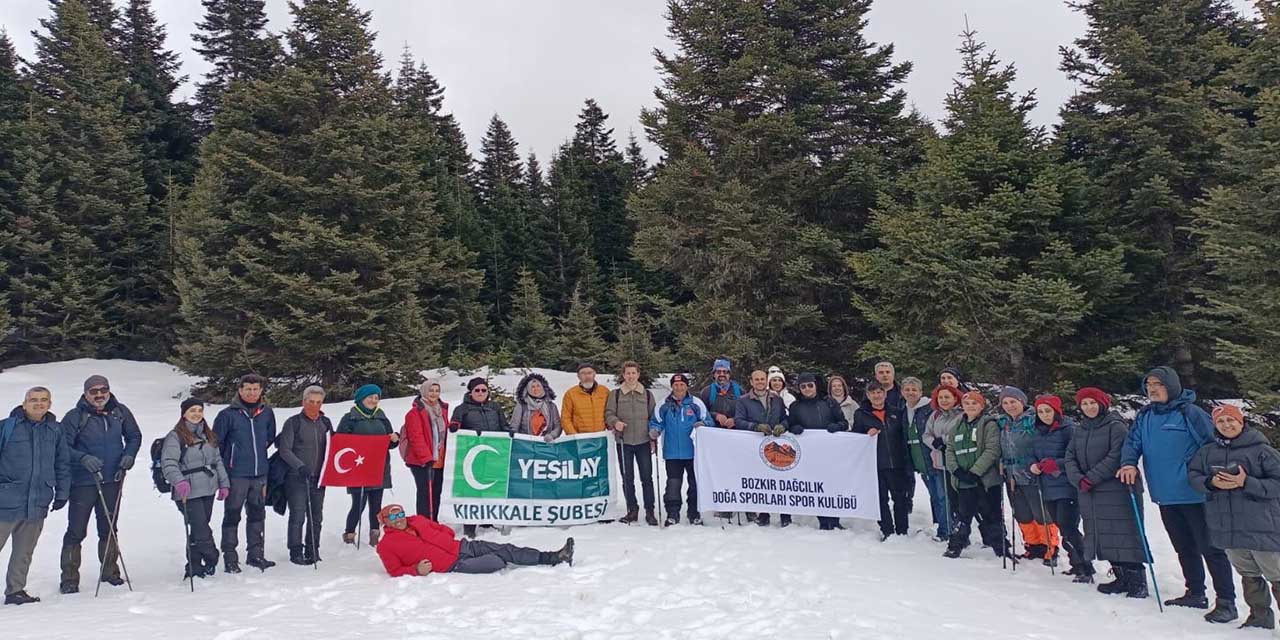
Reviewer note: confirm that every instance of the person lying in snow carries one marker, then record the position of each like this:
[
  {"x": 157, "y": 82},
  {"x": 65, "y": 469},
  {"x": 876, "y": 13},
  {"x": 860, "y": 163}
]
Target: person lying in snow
[{"x": 416, "y": 546}]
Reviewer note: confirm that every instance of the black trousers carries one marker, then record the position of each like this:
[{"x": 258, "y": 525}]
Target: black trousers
[
  {"x": 371, "y": 496},
  {"x": 676, "y": 469},
  {"x": 637, "y": 456},
  {"x": 429, "y": 481},
  {"x": 894, "y": 488},
  {"x": 198, "y": 513},
  {"x": 1190, "y": 537},
  {"x": 306, "y": 513},
  {"x": 83, "y": 503},
  {"x": 479, "y": 556},
  {"x": 250, "y": 496},
  {"x": 969, "y": 504}
]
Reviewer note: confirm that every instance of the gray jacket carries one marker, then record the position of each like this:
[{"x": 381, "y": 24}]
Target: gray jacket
[
  {"x": 635, "y": 409},
  {"x": 302, "y": 441},
  {"x": 522, "y": 414},
  {"x": 201, "y": 464},
  {"x": 1248, "y": 517},
  {"x": 1110, "y": 530},
  {"x": 941, "y": 424}
]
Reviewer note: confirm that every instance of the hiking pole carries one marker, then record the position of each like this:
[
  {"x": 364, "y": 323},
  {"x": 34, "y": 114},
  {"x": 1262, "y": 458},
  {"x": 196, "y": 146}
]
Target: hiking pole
[
  {"x": 186, "y": 533},
  {"x": 112, "y": 540},
  {"x": 657, "y": 482},
  {"x": 1013, "y": 524},
  {"x": 1146, "y": 546},
  {"x": 1044, "y": 522},
  {"x": 946, "y": 501},
  {"x": 311, "y": 528},
  {"x": 1004, "y": 539}
]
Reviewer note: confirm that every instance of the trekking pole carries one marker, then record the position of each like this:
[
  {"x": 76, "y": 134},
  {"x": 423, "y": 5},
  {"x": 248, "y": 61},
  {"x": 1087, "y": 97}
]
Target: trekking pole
[
  {"x": 1146, "y": 546},
  {"x": 112, "y": 540},
  {"x": 311, "y": 529},
  {"x": 1004, "y": 539},
  {"x": 946, "y": 500},
  {"x": 1013, "y": 525},
  {"x": 1044, "y": 517},
  {"x": 657, "y": 482},
  {"x": 186, "y": 533}
]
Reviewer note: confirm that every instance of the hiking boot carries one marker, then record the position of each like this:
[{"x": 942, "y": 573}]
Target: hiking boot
[
  {"x": 952, "y": 552},
  {"x": 186, "y": 572},
  {"x": 209, "y": 570},
  {"x": 350, "y": 537},
  {"x": 632, "y": 516},
  {"x": 1224, "y": 611},
  {"x": 296, "y": 556},
  {"x": 468, "y": 530},
  {"x": 762, "y": 519},
  {"x": 1257, "y": 595},
  {"x": 672, "y": 521},
  {"x": 649, "y": 518},
  {"x": 261, "y": 564},
  {"x": 1083, "y": 578},
  {"x": 113, "y": 580},
  {"x": 20, "y": 597},
  {"x": 1188, "y": 599},
  {"x": 695, "y": 521},
  {"x": 784, "y": 520},
  {"x": 375, "y": 535},
  {"x": 1119, "y": 585},
  {"x": 565, "y": 554},
  {"x": 230, "y": 565},
  {"x": 1137, "y": 581},
  {"x": 68, "y": 588}
]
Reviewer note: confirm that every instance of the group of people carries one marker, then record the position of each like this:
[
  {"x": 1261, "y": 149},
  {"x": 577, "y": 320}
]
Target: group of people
[{"x": 1216, "y": 479}]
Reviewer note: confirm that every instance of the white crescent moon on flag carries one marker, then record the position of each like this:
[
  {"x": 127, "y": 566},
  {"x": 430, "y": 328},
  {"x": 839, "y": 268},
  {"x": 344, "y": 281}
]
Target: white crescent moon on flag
[
  {"x": 467, "y": 472},
  {"x": 337, "y": 460}
]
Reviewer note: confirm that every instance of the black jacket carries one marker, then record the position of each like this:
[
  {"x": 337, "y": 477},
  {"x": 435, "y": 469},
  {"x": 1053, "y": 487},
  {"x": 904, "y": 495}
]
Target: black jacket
[
  {"x": 303, "y": 442},
  {"x": 474, "y": 416},
  {"x": 107, "y": 435},
  {"x": 816, "y": 413},
  {"x": 891, "y": 446}
]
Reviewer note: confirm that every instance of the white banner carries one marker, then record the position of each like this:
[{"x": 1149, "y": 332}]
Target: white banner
[{"x": 813, "y": 474}]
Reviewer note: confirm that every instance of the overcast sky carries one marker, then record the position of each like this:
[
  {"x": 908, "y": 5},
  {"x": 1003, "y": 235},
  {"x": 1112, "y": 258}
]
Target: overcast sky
[{"x": 535, "y": 62}]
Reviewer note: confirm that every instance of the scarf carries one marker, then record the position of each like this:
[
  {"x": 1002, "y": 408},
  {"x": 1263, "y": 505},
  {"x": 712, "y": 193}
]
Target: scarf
[{"x": 436, "y": 414}]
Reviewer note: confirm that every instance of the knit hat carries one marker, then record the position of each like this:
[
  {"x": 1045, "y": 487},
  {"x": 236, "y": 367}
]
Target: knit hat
[
  {"x": 1168, "y": 377},
  {"x": 366, "y": 391},
  {"x": 585, "y": 365},
  {"x": 386, "y": 511},
  {"x": 1228, "y": 410},
  {"x": 1010, "y": 391},
  {"x": 96, "y": 381},
  {"x": 955, "y": 371},
  {"x": 425, "y": 387},
  {"x": 679, "y": 377},
  {"x": 975, "y": 395},
  {"x": 191, "y": 402},
  {"x": 806, "y": 378},
  {"x": 475, "y": 382},
  {"x": 776, "y": 372},
  {"x": 1053, "y": 401},
  {"x": 1095, "y": 394},
  {"x": 721, "y": 363}
]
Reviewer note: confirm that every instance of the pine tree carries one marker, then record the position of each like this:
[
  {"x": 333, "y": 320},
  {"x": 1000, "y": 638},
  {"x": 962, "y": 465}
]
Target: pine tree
[
  {"x": 233, "y": 38},
  {"x": 977, "y": 267},
  {"x": 580, "y": 339},
  {"x": 331, "y": 39},
  {"x": 531, "y": 335},
  {"x": 15, "y": 96},
  {"x": 1146, "y": 130},
  {"x": 504, "y": 228},
  {"x": 566, "y": 238},
  {"x": 635, "y": 323}
]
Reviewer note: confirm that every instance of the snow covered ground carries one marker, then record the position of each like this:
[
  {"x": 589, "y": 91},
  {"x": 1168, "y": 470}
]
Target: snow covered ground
[{"x": 627, "y": 582}]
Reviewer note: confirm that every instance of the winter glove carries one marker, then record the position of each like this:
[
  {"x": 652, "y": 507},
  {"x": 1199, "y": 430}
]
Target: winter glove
[
  {"x": 654, "y": 433},
  {"x": 182, "y": 489},
  {"x": 546, "y": 437},
  {"x": 91, "y": 464},
  {"x": 59, "y": 503},
  {"x": 939, "y": 444},
  {"x": 126, "y": 462},
  {"x": 967, "y": 476},
  {"x": 223, "y": 492},
  {"x": 511, "y": 433},
  {"x": 834, "y": 428},
  {"x": 763, "y": 428},
  {"x": 453, "y": 427},
  {"x": 477, "y": 433},
  {"x": 1049, "y": 466},
  {"x": 796, "y": 429},
  {"x": 1085, "y": 485},
  {"x": 779, "y": 430}
]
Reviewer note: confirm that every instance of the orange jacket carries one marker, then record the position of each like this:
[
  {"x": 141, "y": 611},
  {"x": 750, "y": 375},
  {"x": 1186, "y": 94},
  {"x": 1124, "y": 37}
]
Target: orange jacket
[{"x": 582, "y": 412}]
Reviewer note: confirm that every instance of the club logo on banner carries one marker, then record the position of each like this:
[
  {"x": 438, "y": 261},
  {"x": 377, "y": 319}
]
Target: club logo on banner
[
  {"x": 494, "y": 478},
  {"x": 814, "y": 474}
]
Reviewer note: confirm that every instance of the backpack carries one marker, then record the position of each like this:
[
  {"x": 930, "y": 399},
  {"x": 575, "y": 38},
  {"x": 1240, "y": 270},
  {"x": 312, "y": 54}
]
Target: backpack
[{"x": 157, "y": 474}]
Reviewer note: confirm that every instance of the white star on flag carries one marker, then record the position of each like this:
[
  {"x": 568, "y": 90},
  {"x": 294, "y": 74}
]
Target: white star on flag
[{"x": 359, "y": 460}]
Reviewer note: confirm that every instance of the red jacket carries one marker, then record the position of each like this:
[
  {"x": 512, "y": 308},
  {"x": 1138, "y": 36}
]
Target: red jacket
[
  {"x": 417, "y": 429},
  {"x": 401, "y": 551}
]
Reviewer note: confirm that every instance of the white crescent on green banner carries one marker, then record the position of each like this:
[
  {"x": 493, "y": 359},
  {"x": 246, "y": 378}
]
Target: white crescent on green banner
[{"x": 494, "y": 478}]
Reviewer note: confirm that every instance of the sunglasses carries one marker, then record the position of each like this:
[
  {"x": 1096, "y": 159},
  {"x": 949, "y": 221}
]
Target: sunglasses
[
  {"x": 479, "y": 390},
  {"x": 397, "y": 515},
  {"x": 99, "y": 391}
]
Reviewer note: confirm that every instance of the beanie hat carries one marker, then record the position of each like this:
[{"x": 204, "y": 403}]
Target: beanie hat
[
  {"x": 1009, "y": 391},
  {"x": 955, "y": 371},
  {"x": 806, "y": 378},
  {"x": 679, "y": 377},
  {"x": 585, "y": 365},
  {"x": 96, "y": 381},
  {"x": 775, "y": 372},
  {"x": 1168, "y": 377},
  {"x": 366, "y": 391},
  {"x": 1097, "y": 395},
  {"x": 191, "y": 402},
  {"x": 386, "y": 511},
  {"x": 721, "y": 363},
  {"x": 1052, "y": 401},
  {"x": 975, "y": 395},
  {"x": 1228, "y": 410},
  {"x": 475, "y": 382}
]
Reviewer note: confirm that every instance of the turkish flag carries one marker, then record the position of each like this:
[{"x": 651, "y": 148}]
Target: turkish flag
[{"x": 355, "y": 461}]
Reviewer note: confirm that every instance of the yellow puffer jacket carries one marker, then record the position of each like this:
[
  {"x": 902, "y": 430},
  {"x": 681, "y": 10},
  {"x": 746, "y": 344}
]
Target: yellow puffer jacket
[{"x": 583, "y": 412}]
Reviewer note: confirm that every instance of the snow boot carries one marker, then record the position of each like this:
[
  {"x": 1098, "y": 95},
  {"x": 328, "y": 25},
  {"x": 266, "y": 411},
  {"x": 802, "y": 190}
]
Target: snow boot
[
  {"x": 375, "y": 535},
  {"x": 110, "y": 557},
  {"x": 784, "y": 520},
  {"x": 695, "y": 521},
  {"x": 297, "y": 556},
  {"x": 1188, "y": 599},
  {"x": 649, "y": 518},
  {"x": 186, "y": 571},
  {"x": 1257, "y": 595},
  {"x": 1119, "y": 585},
  {"x": 113, "y": 580},
  {"x": 469, "y": 530},
  {"x": 671, "y": 521},
  {"x": 260, "y": 563},
  {"x": 1137, "y": 581},
  {"x": 20, "y": 597},
  {"x": 553, "y": 558},
  {"x": 70, "y": 560},
  {"x": 952, "y": 552},
  {"x": 350, "y": 537},
  {"x": 1224, "y": 611},
  {"x": 230, "y": 565},
  {"x": 762, "y": 519},
  {"x": 632, "y": 516},
  {"x": 68, "y": 588}
]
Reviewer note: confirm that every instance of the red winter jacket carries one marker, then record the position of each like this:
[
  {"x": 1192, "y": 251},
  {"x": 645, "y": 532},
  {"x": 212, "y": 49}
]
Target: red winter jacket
[
  {"x": 417, "y": 429},
  {"x": 401, "y": 551}
]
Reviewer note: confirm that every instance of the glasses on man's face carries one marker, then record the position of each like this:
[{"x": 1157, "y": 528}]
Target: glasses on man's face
[
  {"x": 809, "y": 385},
  {"x": 395, "y": 515},
  {"x": 99, "y": 391},
  {"x": 479, "y": 390}
]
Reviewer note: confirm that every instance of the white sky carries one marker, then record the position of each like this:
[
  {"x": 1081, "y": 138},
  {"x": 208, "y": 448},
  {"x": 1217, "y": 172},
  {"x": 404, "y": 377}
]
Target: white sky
[{"x": 534, "y": 63}]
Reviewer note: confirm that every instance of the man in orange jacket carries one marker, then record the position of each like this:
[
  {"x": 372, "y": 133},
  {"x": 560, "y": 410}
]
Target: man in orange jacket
[
  {"x": 417, "y": 546},
  {"x": 582, "y": 410}
]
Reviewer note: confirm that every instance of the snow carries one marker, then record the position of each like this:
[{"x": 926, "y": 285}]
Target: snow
[{"x": 627, "y": 582}]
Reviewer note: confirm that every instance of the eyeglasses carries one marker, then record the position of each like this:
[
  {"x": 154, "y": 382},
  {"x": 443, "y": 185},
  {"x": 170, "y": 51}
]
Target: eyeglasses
[
  {"x": 809, "y": 385},
  {"x": 395, "y": 515},
  {"x": 99, "y": 391},
  {"x": 479, "y": 390}
]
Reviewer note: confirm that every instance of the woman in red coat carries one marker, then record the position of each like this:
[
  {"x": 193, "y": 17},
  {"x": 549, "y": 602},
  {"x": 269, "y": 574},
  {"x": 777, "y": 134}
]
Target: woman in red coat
[
  {"x": 426, "y": 429},
  {"x": 416, "y": 546}
]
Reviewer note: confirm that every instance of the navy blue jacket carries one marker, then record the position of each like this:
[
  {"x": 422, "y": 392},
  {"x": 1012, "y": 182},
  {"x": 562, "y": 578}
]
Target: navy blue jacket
[
  {"x": 1050, "y": 443},
  {"x": 749, "y": 412},
  {"x": 243, "y": 438},
  {"x": 107, "y": 435},
  {"x": 891, "y": 443},
  {"x": 34, "y": 468}
]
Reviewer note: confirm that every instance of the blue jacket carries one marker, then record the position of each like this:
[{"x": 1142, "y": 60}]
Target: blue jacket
[
  {"x": 675, "y": 421},
  {"x": 34, "y": 467},
  {"x": 243, "y": 438},
  {"x": 1050, "y": 443},
  {"x": 1166, "y": 435},
  {"x": 107, "y": 436}
]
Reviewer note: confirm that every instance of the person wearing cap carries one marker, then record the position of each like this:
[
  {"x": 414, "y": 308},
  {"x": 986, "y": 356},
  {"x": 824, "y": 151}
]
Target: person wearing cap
[
  {"x": 246, "y": 429},
  {"x": 953, "y": 377},
  {"x": 425, "y": 430},
  {"x": 367, "y": 419},
  {"x": 1053, "y": 432},
  {"x": 973, "y": 458},
  {"x": 535, "y": 413},
  {"x": 761, "y": 410},
  {"x": 582, "y": 410},
  {"x": 103, "y": 441},
  {"x": 303, "y": 440},
  {"x": 1166, "y": 434},
  {"x": 674, "y": 421},
  {"x": 1110, "y": 531},
  {"x": 917, "y": 409},
  {"x": 627, "y": 413},
  {"x": 721, "y": 395},
  {"x": 885, "y": 421},
  {"x": 1239, "y": 473},
  {"x": 36, "y": 464},
  {"x": 192, "y": 464},
  {"x": 778, "y": 385},
  {"x": 812, "y": 410},
  {"x": 417, "y": 546},
  {"x": 1017, "y": 431}
]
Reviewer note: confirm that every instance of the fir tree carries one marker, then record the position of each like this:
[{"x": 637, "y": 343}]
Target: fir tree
[
  {"x": 580, "y": 339},
  {"x": 15, "y": 96},
  {"x": 504, "y": 228},
  {"x": 233, "y": 38},
  {"x": 635, "y": 323},
  {"x": 531, "y": 335},
  {"x": 331, "y": 39}
]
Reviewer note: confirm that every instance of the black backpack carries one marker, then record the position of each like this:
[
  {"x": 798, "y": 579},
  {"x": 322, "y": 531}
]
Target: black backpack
[{"x": 157, "y": 474}]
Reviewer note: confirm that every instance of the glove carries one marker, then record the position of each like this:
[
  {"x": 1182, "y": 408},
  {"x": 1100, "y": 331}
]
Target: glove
[
  {"x": 1085, "y": 485},
  {"x": 1049, "y": 466},
  {"x": 477, "y": 433},
  {"x": 764, "y": 428},
  {"x": 967, "y": 476},
  {"x": 546, "y": 437},
  {"x": 511, "y": 433},
  {"x": 796, "y": 429},
  {"x": 939, "y": 444},
  {"x": 453, "y": 427},
  {"x": 779, "y": 429},
  {"x": 59, "y": 503},
  {"x": 654, "y": 433},
  {"x": 91, "y": 464},
  {"x": 126, "y": 462},
  {"x": 223, "y": 492},
  {"x": 834, "y": 428},
  {"x": 182, "y": 489}
]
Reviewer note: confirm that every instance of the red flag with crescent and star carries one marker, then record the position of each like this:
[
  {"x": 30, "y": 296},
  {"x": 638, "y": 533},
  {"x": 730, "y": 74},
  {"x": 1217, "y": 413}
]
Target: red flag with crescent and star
[{"x": 355, "y": 461}]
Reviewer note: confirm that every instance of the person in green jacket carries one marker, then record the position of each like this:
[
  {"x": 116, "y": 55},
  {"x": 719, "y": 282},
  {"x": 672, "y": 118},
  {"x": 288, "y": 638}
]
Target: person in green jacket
[
  {"x": 367, "y": 419},
  {"x": 973, "y": 458}
]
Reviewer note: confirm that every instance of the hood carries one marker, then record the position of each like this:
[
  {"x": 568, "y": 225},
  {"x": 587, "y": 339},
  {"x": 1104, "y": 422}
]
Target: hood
[
  {"x": 1250, "y": 437},
  {"x": 84, "y": 405},
  {"x": 1169, "y": 377},
  {"x": 524, "y": 383}
]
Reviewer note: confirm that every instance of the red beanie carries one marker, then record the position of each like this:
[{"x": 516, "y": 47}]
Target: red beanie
[
  {"x": 1052, "y": 401},
  {"x": 1095, "y": 394},
  {"x": 1228, "y": 410}
]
